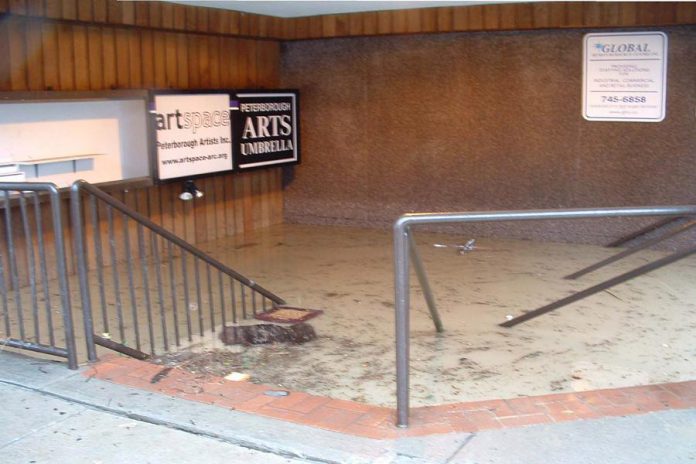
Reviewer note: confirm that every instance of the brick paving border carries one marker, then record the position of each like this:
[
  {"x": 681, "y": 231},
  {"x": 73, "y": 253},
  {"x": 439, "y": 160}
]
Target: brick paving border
[{"x": 378, "y": 422}]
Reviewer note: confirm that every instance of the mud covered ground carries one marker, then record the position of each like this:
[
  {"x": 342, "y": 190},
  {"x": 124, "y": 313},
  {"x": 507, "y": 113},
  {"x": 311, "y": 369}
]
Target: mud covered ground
[{"x": 640, "y": 332}]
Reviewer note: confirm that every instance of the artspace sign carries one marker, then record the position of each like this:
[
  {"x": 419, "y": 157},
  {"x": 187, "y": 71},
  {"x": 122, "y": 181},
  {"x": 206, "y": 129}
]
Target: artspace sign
[
  {"x": 266, "y": 129},
  {"x": 193, "y": 134}
]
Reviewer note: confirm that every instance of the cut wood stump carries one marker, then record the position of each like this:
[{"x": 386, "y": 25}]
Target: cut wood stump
[{"x": 262, "y": 334}]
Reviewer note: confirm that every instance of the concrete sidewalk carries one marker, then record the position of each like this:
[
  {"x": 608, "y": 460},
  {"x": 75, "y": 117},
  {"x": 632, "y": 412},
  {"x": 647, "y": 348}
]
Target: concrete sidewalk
[
  {"x": 52, "y": 414},
  {"x": 44, "y": 429}
]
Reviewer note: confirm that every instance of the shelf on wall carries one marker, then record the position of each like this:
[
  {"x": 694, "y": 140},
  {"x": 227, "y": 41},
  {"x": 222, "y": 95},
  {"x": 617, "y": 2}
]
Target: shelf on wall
[
  {"x": 54, "y": 159},
  {"x": 41, "y": 166}
]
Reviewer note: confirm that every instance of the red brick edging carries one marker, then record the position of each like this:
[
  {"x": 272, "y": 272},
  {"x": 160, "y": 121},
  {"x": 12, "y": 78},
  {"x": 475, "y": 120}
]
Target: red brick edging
[{"x": 378, "y": 422}]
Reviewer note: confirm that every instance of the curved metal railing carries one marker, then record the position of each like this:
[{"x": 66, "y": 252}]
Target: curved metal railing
[{"x": 401, "y": 265}]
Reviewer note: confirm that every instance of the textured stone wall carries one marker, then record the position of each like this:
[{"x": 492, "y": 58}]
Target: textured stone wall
[{"x": 478, "y": 121}]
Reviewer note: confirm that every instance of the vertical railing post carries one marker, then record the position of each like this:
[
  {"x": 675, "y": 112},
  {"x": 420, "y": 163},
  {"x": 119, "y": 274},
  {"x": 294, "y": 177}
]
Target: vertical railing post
[
  {"x": 12, "y": 263},
  {"x": 43, "y": 264},
  {"x": 31, "y": 264},
  {"x": 401, "y": 290},
  {"x": 62, "y": 269},
  {"x": 76, "y": 214}
]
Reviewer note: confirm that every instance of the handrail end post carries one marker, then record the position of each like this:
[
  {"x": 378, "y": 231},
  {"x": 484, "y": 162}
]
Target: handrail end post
[
  {"x": 78, "y": 238},
  {"x": 401, "y": 305}
]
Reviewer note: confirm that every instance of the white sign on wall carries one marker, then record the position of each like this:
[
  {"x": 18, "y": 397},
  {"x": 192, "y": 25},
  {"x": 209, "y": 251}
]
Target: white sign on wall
[
  {"x": 624, "y": 76},
  {"x": 193, "y": 134}
]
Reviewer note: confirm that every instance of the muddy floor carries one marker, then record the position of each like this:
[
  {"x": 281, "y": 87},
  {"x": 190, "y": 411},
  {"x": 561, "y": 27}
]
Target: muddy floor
[{"x": 636, "y": 333}]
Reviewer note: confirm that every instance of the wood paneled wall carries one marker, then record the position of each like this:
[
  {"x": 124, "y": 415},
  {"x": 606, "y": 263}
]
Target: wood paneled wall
[
  {"x": 151, "y": 14},
  {"x": 49, "y": 53},
  {"x": 498, "y": 17},
  {"x": 109, "y": 44},
  {"x": 513, "y": 16}
]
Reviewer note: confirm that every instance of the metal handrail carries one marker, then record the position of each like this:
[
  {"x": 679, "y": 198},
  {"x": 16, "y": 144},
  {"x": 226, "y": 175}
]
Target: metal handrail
[
  {"x": 76, "y": 209},
  {"x": 642, "y": 231},
  {"x": 401, "y": 265},
  {"x": 632, "y": 250},
  {"x": 84, "y": 185},
  {"x": 56, "y": 219}
]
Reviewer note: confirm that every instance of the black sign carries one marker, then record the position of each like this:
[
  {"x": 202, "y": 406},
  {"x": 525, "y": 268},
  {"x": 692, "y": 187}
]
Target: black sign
[{"x": 266, "y": 129}]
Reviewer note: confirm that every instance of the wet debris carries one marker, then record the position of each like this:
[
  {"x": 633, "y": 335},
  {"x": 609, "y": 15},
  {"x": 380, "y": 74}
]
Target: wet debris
[
  {"x": 246, "y": 245},
  {"x": 534, "y": 354},
  {"x": 484, "y": 374},
  {"x": 614, "y": 295},
  {"x": 468, "y": 363},
  {"x": 161, "y": 375},
  {"x": 237, "y": 377},
  {"x": 464, "y": 248},
  {"x": 128, "y": 425},
  {"x": 212, "y": 362},
  {"x": 461, "y": 248},
  {"x": 599, "y": 344},
  {"x": 334, "y": 294},
  {"x": 558, "y": 385}
]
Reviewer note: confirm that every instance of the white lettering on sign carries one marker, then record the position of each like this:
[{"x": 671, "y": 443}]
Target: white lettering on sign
[
  {"x": 258, "y": 127},
  {"x": 268, "y": 130}
]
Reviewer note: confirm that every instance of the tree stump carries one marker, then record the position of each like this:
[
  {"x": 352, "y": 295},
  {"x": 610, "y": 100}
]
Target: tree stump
[{"x": 262, "y": 334}]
